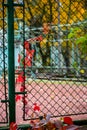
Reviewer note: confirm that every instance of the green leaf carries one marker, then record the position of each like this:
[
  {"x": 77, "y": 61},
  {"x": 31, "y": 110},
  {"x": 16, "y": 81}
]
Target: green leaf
[
  {"x": 71, "y": 35},
  {"x": 73, "y": 32},
  {"x": 82, "y": 39}
]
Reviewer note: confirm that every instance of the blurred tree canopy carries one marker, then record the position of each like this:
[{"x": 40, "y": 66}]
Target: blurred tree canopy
[
  {"x": 56, "y": 18},
  {"x": 38, "y": 12}
]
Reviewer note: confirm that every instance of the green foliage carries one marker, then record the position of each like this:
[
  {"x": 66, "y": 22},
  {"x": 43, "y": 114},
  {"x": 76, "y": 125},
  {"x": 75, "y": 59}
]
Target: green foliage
[
  {"x": 73, "y": 32},
  {"x": 78, "y": 34},
  {"x": 82, "y": 39},
  {"x": 75, "y": 65}
]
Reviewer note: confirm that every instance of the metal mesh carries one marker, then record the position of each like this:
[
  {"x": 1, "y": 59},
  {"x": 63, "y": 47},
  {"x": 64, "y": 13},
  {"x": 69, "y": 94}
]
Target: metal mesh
[
  {"x": 50, "y": 58},
  {"x": 3, "y": 65},
  {"x": 55, "y": 59}
]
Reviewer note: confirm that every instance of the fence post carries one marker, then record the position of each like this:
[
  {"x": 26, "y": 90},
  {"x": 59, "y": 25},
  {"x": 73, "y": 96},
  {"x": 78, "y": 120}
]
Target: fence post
[{"x": 11, "y": 75}]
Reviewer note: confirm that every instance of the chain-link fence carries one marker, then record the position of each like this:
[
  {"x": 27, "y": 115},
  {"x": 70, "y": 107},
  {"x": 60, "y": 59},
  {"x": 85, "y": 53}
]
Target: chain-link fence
[
  {"x": 3, "y": 65},
  {"x": 50, "y": 44}
]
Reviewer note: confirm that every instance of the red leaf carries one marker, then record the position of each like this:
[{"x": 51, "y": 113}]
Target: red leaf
[
  {"x": 68, "y": 121},
  {"x": 19, "y": 58},
  {"x": 36, "y": 107},
  {"x": 24, "y": 100},
  {"x": 22, "y": 89},
  {"x": 39, "y": 38},
  {"x": 28, "y": 58},
  {"x": 20, "y": 78},
  {"x": 27, "y": 45},
  {"x": 17, "y": 98},
  {"x": 13, "y": 126}
]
